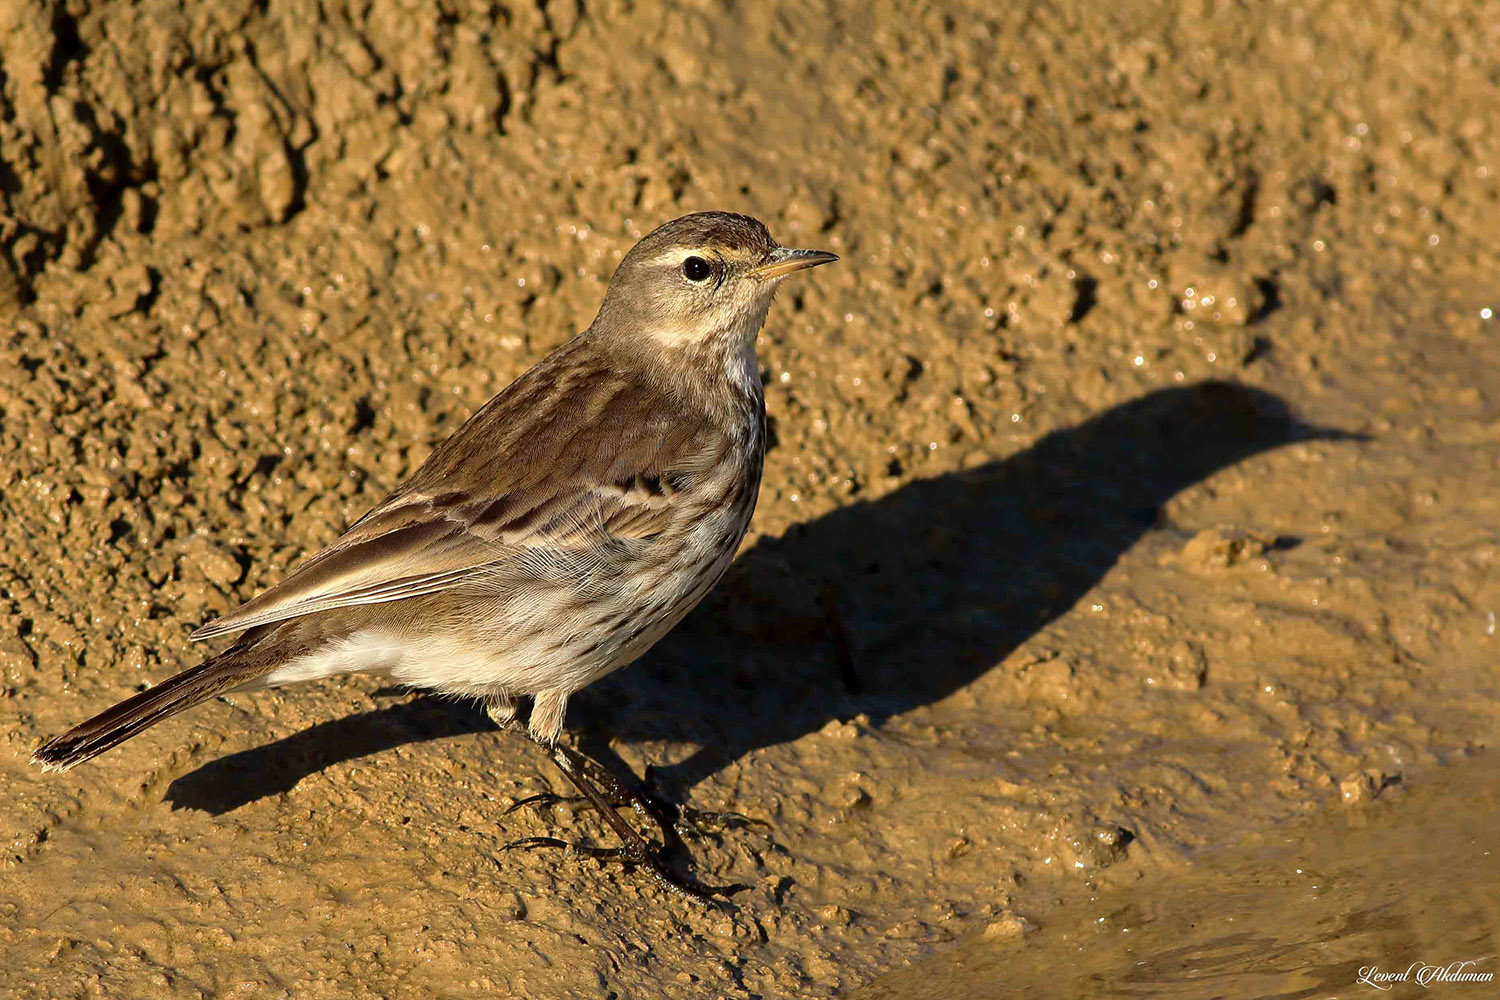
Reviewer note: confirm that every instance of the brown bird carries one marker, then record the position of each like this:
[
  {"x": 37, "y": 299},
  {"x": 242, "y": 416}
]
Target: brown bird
[{"x": 567, "y": 526}]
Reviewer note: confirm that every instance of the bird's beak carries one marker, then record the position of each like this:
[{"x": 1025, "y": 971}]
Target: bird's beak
[{"x": 784, "y": 260}]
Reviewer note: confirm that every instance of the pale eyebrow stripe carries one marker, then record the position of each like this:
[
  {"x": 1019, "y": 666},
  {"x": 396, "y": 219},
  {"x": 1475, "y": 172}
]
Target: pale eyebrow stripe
[{"x": 676, "y": 256}]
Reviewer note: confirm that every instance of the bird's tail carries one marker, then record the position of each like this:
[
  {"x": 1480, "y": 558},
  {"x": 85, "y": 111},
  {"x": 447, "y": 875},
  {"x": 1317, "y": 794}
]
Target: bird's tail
[{"x": 114, "y": 726}]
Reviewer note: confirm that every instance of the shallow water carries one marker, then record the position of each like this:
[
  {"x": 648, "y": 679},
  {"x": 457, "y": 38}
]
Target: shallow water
[{"x": 1398, "y": 896}]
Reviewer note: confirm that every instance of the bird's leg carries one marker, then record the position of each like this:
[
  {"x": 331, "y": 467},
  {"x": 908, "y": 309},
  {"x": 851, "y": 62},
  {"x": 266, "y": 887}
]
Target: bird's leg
[
  {"x": 587, "y": 775},
  {"x": 686, "y": 819},
  {"x": 501, "y": 708},
  {"x": 672, "y": 820},
  {"x": 646, "y": 805},
  {"x": 545, "y": 729},
  {"x": 635, "y": 850}
]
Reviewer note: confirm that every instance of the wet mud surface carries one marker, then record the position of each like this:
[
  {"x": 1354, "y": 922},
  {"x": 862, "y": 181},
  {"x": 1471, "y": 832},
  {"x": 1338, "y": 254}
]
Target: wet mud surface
[
  {"x": 1135, "y": 486},
  {"x": 1354, "y": 903}
]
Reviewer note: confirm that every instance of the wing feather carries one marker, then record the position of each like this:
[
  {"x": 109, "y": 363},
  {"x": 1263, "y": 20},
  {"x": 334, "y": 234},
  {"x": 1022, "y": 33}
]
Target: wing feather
[{"x": 566, "y": 473}]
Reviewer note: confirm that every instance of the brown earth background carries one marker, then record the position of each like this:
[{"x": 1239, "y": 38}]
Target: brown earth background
[{"x": 1134, "y": 485}]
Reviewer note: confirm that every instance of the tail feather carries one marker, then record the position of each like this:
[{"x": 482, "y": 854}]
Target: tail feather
[{"x": 114, "y": 726}]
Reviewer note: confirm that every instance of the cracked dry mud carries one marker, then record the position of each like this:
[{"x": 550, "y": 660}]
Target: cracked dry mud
[{"x": 1134, "y": 486}]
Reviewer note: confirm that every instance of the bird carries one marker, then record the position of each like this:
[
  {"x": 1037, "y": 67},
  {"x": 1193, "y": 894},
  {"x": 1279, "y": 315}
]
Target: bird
[{"x": 560, "y": 532}]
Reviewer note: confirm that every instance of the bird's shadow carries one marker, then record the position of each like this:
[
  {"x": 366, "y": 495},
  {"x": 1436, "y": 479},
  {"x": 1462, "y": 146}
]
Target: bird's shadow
[{"x": 876, "y": 608}]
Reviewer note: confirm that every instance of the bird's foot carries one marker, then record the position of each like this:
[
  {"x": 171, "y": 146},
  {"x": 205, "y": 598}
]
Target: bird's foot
[
  {"x": 602, "y": 790},
  {"x": 542, "y": 800},
  {"x": 587, "y": 850},
  {"x": 643, "y": 855},
  {"x": 667, "y": 816}
]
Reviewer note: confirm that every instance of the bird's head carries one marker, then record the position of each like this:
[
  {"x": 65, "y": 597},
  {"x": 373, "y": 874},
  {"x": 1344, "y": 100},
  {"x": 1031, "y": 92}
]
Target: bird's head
[{"x": 702, "y": 281}]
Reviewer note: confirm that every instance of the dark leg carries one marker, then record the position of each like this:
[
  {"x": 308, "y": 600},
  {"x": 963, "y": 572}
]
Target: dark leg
[
  {"x": 587, "y": 775},
  {"x": 672, "y": 820},
  {"x": 648, "y": 806},
  {"x": 615, "y": 792}
]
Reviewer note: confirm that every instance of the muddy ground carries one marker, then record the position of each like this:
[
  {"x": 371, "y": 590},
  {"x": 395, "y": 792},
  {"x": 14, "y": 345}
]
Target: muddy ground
[
  {"x": 1382, "y": 899},
  {"x": 1134, "y": 486}
]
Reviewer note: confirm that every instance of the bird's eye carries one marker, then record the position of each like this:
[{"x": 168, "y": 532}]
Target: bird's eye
[{"x": 696, "y": 268}]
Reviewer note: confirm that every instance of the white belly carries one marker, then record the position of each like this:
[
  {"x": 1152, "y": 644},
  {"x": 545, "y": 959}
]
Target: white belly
[{"x": 432, "y": 661}]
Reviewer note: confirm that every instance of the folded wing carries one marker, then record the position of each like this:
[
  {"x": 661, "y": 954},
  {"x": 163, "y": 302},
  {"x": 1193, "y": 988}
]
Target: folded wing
[{"x": 565, "y": 475}]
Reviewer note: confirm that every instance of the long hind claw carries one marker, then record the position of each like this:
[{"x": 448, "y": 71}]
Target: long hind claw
[
  {"x": 544, "y": 799},
  {"x": 588, "y": 850}
]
